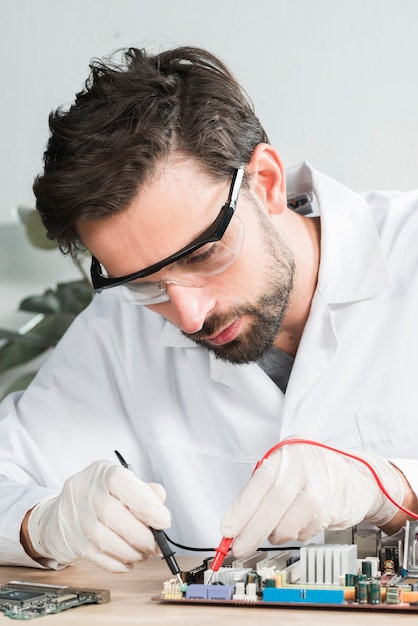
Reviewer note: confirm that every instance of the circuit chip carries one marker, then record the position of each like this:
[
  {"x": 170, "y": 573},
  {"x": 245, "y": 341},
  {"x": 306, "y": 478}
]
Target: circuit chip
[
  {"x": 23, "y": 600},
  {"x": 19, "y": 597}
]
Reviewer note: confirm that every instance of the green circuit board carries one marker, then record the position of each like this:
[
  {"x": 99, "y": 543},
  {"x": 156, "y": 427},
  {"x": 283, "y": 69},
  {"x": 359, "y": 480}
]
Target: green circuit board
[{"x": 24, "y": 600}]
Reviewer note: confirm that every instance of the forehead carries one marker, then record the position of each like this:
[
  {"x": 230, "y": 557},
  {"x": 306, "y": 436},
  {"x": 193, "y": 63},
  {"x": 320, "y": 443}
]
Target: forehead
[
  {"x": 178, "y": 204},
  {"x": 180, "y": 188}
]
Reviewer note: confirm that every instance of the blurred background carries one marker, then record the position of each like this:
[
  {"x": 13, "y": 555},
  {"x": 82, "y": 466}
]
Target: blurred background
[{"x": 333, "y": 81}]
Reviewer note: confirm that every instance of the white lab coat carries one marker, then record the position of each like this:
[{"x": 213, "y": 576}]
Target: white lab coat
[{"x": 124, "y": 378}]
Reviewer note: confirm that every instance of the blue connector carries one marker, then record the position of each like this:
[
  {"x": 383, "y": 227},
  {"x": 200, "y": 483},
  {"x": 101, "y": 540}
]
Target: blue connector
[{"x": 313, "y": 596}]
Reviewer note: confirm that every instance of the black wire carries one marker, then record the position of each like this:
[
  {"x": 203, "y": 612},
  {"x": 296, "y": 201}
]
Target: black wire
[
  {"x": 189, "y": 548},
  {"x": 192, "y": 549}
]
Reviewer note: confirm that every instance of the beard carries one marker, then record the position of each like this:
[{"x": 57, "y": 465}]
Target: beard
[{"x": 266, "y": 314}]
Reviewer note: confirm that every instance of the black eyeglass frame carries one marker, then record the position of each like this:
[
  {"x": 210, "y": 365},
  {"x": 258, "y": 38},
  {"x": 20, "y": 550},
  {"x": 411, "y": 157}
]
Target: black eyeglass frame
[{"x": 215, "y": 232}]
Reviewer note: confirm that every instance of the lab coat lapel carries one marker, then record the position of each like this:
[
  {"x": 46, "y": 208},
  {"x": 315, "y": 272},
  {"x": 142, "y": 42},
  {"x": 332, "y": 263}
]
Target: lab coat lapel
[
  {"x": 172, "y": 337},
  {"x": 317, "y": 347},
  {"x": 220, "y": 371},
  {"x": 352, "y": 268},
  {"x": 352, "y": 265},
  {"x": 251, "y": 383},
  {"x": 248, "y": 380}
]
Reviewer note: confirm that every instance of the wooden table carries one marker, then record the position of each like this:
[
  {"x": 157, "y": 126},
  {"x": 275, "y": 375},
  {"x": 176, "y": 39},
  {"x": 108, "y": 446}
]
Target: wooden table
[{"x": 131, "y": 602}]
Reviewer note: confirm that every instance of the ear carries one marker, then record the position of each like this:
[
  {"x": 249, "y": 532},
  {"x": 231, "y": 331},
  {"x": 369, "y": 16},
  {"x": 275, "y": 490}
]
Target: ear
[{"x": 267, "y": 178}]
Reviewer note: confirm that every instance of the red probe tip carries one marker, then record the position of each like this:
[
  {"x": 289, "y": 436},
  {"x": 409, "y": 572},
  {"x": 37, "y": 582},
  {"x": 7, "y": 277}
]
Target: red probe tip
[{"x": 221, "y": 552}]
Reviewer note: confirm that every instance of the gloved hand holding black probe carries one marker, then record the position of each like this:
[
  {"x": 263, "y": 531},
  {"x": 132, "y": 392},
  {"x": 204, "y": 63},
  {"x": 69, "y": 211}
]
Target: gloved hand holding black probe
[{"x": 103, "y": 514}]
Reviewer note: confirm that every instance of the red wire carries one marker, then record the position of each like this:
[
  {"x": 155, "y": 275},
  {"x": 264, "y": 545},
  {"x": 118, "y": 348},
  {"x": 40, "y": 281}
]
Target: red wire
[
  {"x": 349, "y": 455},
  {"x": 226, "y": 542}
]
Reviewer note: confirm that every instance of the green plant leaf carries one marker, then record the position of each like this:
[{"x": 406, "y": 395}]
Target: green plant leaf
[
  {"x": 22, "y": 212},
  {"x": 15, "y": 353},
  {"x": 59, "y": 306},
  {"x": 74, "y": 296},
  {"x": 46, "y": 303},
  {"x": 19, "y": 384},
  {"x": 36, "y": 232},
  {"x": 20, "y": 350},
  {"x": 71, "y": 297},
  {"x": 28, "y": 338}
]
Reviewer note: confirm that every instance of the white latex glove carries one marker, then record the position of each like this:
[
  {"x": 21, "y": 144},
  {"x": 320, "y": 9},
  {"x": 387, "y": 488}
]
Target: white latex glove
[
  {"x": 301, "y": 489},
  {"x": 102, "y": 514}
]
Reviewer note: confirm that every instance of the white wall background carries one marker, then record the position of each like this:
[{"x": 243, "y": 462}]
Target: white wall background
[{"x": 333, "y": 81}]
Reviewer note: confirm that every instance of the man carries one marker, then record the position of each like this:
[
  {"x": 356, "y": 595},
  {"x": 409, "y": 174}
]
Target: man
[{"x": 236, "y": 307}]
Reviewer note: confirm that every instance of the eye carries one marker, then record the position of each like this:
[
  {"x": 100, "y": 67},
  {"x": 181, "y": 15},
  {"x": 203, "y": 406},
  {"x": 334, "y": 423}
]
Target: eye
[{"x": 201, "y": 255}]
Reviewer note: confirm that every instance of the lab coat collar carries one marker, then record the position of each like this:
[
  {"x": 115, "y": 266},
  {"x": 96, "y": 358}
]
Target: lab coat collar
[
  {"x": 220, "y": 371},
  {"x": 352, "y": 265},
  {"x": 172, "y": 337}
]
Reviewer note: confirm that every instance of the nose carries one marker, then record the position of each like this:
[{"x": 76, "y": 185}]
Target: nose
[{"x": 191, "y": 306}]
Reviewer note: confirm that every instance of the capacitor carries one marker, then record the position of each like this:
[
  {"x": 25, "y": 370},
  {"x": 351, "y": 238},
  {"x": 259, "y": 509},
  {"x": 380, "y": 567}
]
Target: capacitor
[
  {"x": 375, "y": 591},
  {"x": 362, "y": 592},
  {"x": 366, "y": 568}
]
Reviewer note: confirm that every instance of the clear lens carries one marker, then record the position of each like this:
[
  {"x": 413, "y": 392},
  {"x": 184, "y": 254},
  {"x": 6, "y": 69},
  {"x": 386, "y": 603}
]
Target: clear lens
[
  {"x": 127, "y": 293},
  {"x": 192, "y": 271},
  {"x": 209, "y": 260}
]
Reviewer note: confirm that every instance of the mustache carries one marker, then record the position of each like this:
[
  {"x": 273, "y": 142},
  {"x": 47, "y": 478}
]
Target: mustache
[{"x": 214, "y": 324}]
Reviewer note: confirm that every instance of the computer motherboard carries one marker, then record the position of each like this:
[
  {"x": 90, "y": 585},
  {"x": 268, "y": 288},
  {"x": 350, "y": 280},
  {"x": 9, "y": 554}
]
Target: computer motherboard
[
  {"x": 24, "y": 600},
  {"x": 318, "y": 576}
]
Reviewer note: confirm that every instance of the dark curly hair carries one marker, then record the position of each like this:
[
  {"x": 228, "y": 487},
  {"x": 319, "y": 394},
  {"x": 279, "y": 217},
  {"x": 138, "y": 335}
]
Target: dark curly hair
[{"x": 132, "y": 115}]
